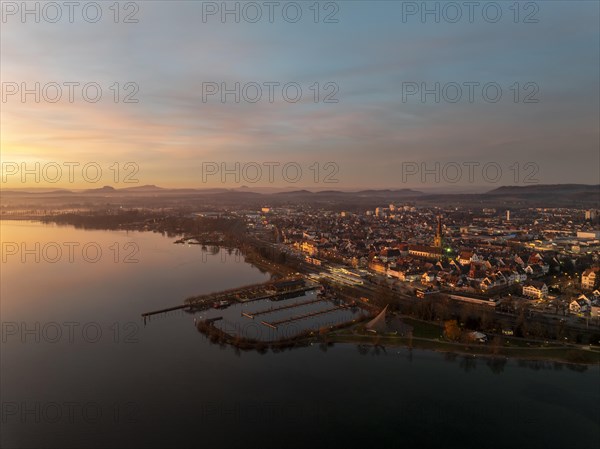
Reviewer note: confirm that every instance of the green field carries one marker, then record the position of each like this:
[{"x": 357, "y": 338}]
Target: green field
[
  {"x": 423, "y": 329},
  {"x": 432, "y": 342}
]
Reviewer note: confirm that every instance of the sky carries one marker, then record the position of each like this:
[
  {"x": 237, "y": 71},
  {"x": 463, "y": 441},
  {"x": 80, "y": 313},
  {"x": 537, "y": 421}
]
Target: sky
[{"x": 422, "y": 95}]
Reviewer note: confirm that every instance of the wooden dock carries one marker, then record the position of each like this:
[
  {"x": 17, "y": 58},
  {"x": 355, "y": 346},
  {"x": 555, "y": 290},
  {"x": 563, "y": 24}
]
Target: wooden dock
[
  {"x": 276, "y": 324},
  {"x": 266, "y": 323},
  {"x": 233, "y": 295},
  {"x": 277, "y": 309},
  {"x": 280, "y": 295},
  {"x": 168, "y": 309}
]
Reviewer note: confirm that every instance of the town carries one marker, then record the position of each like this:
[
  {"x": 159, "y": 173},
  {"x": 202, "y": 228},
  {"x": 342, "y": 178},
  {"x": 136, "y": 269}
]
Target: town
[
  {"x": 537, "y": 263},
  {"x": 497, "y": 276},
  {"x": 550, "y": 256}
]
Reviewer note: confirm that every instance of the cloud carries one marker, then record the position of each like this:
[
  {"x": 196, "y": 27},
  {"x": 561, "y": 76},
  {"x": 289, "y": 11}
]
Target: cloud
[{"x": 369, "y": 54}]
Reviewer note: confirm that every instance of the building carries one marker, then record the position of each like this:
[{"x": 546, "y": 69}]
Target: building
[
  {"x": 380, "y": 212},
  {"x": 313, "y": 261},
  {"x": 590, "y": 278},
  {"x": 309, "y": 248},
  {"x": 378, "y": 266},
  {"x": 389, "y": 254},
  {"x": 428, "y": 278},
  {"x": 425, "y": 252},
  {"x": 465, "y": 257},
  {"x": 588, "y": 235},
  {"x": 580, "y": 306},
  {"x": 535, "y": 289}
]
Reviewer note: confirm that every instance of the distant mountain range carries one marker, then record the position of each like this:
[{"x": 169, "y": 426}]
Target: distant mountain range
[
  {"x": 545, "y": 189},
  {"x": 539, "y": 195},
  {"x": 240, "y": 190}
]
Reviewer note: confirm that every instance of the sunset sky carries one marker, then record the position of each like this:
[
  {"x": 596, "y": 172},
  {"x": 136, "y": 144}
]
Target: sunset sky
[{"x": 368, "y": 54}]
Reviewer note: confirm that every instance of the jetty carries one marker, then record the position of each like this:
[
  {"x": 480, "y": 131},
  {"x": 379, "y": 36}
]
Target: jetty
[
  {"x": 276, "y": 309},
  {"x": 168, "y": 309},
  {"x": 273, "y": 290},
  {"x": 276, "y": 324}
]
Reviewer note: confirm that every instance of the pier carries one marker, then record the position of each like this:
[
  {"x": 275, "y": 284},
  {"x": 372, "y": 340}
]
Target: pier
[
  {"x": 276, "y": 309},
  {"x": 280, "y": 289},
  {"x": 275, "y": 324},
  {"x": 168, "y": 309},
  {"x": 255, "y": 292},
  {"x": 281, "y": 295}
]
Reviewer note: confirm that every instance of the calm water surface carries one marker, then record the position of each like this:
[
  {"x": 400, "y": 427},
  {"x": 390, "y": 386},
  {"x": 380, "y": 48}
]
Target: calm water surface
[{"x": 80, "y": 369}]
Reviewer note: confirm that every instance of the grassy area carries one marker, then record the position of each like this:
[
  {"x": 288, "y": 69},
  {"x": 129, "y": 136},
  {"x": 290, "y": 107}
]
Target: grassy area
[
  {"x": 570, "y": 355},
  {"x": 424, "y": 329},
  {"x": 557, "y": 353},
  {"x": 522, "y": 343}
]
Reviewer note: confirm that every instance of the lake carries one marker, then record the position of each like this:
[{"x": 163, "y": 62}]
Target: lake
[{"x": 79, "y": 368}]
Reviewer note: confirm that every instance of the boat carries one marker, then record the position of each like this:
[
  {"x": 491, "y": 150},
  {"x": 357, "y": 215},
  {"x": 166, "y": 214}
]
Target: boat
[{"x": 221, "y": 304}]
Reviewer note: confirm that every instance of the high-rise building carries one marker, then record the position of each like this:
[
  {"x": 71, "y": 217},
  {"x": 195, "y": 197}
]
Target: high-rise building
[{"x": 507, "y": 215}]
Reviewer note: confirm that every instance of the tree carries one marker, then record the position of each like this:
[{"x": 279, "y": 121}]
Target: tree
[
  {"x": 451, "y": 330},
  {"x": 522, "y": 327},
  {"x": 595, "y": 339},
  {"x": 487, "y": 320},
  {"x": 442, "y": 310},
  {"x": 425, "y": 310},
  {"x": 536, "y": 330},
  {"x": 560, "y": 330}
]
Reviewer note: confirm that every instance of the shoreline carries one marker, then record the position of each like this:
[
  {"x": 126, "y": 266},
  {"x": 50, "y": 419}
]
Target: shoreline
[
  {"x": 590, "y": 357},
  {"x": 570, "y": 355}
]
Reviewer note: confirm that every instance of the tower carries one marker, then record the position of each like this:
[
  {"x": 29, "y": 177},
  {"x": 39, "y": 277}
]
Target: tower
[
  {"x": 437, "y": 241},
  {"x": 507, "y": 215}
]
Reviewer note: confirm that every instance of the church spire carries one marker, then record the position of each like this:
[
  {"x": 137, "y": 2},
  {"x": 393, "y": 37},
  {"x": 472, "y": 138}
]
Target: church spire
[{"x": 437, "y": 241}]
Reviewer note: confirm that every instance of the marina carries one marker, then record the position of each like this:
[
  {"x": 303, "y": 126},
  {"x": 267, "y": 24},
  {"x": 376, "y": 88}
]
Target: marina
[{"x": 273, "y": 321}]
